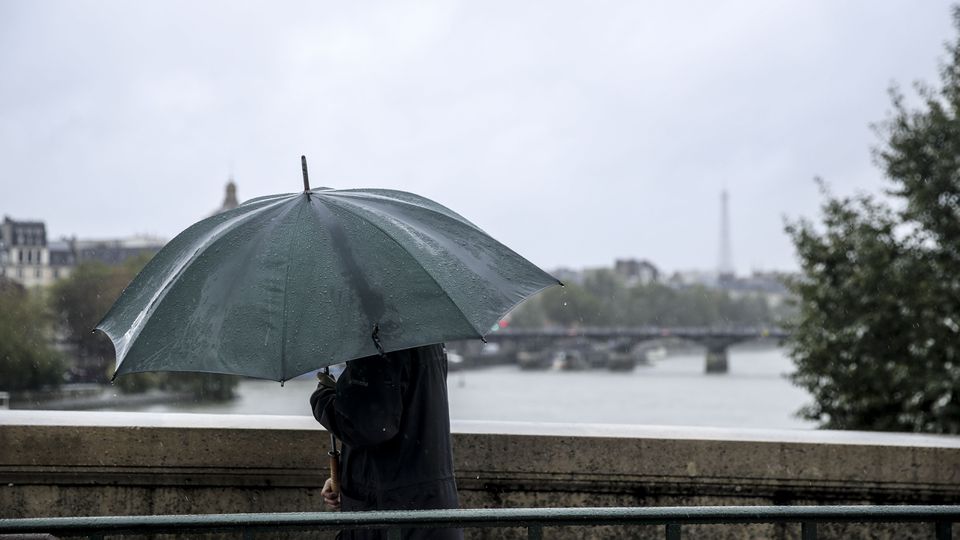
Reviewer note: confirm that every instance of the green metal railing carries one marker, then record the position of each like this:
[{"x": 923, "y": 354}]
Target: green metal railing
[{"x": 534, "y": 520}]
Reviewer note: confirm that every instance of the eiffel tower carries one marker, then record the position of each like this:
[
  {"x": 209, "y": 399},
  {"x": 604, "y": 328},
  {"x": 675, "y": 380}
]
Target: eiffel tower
[{"x": 725, "y": 270}]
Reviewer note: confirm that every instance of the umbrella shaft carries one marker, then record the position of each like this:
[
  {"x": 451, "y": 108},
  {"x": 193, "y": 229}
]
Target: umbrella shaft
[{"x": 334, "y": 455}]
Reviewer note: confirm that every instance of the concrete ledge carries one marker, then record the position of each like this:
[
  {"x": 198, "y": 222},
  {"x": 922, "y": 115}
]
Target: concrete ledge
[
  {"x": 688, "y": 433},
  {"x": 778, "y": 466},
  {"x": 56, "y": 463}
]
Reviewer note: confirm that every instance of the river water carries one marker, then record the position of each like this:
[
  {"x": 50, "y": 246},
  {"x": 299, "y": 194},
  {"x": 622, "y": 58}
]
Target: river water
[{"x": 670, "y": 391}]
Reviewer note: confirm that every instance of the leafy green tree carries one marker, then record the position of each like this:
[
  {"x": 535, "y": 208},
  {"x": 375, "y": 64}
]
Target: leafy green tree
[
  {"x": 877, "y": 338},
  {"x": 82, "y": 299},
  {"x": 27, "y": 361},
  {"x": 605, "y": 299},
  {"x": 571, "y": 305}
]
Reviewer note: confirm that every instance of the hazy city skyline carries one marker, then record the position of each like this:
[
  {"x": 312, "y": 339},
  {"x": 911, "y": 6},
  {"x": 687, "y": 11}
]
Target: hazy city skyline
[{"x": 576, "y": 136}]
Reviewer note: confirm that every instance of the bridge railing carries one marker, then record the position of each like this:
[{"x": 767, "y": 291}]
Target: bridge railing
[{"x": 534, "y": 520}]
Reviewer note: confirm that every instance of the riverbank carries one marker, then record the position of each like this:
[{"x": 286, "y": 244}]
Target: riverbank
[{"x": 89, "y": 397}]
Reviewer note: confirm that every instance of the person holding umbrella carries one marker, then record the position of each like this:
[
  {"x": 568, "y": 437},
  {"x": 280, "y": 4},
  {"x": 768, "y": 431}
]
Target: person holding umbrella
[
  {"x": 287, "y": 284},
  {"x": 391, "y": 413}
]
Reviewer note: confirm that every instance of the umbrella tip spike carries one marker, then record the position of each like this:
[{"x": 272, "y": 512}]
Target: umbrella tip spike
[{"x": 306, "y": 178}]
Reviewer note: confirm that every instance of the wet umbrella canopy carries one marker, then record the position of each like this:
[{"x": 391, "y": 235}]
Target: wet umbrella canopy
[{"x": 286, "y": 284}]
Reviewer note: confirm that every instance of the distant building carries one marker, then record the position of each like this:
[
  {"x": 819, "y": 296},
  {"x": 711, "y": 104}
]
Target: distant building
[
  {"x": 115, "y": 251},
  {"x": 770, "y": 285},
  {"x": 27, "y": 258},
  {"x": 62, "y": 259},
  {"x": 24, "y": 254},
  {"x": 635, "y": 271},
  {"x": 682, "y": 279}
]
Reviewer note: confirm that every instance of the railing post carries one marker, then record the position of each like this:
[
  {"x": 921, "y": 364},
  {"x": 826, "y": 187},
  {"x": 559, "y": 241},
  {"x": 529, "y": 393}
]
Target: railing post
[
  {"x": 944, "y": 530},
  {"x": 808, "y": 530},
  {"x": 534, "y": 532},
  {"x": 673, "y": 531}
]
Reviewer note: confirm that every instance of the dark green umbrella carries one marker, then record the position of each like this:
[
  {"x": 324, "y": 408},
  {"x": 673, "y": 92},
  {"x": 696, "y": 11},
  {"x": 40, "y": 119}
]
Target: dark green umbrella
[{"x": 286, "y": 284}]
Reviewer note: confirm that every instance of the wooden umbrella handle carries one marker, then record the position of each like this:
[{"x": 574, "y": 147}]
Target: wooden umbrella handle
[{"x": 335, "y": 469}]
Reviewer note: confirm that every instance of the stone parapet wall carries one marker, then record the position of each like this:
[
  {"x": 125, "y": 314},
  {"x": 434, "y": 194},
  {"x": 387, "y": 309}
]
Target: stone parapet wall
[
  {"x": 83, "y": 463},
  {"x": 743, "y": 466}
]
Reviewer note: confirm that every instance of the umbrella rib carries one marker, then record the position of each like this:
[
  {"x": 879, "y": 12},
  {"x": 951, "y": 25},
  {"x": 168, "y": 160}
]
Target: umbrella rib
[
  {"x": 286, "y": 286},
  {"x": 357, "y": 194},
  {"x": 417, "y": 262}
]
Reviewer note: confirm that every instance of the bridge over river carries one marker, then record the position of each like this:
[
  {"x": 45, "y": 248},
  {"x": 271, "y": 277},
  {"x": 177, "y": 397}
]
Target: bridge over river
[{"x": 716, "y": 340}]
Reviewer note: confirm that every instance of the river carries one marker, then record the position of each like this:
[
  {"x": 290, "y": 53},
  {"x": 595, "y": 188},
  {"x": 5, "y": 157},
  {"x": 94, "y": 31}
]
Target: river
[{"x": 670, "y": 391}]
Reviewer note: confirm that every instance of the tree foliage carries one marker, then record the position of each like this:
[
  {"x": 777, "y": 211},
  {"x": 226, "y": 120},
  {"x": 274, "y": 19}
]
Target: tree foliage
[
  {"x": 84, "y": 298},
  {"x": 27, "y": 361},
  {"x": 877, "y": 339},
  {"x": 605, "y": 299}
]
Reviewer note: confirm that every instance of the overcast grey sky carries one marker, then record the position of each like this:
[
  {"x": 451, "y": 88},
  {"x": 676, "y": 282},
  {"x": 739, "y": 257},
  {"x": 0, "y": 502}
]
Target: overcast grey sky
[{"x": 575, "y": 132}]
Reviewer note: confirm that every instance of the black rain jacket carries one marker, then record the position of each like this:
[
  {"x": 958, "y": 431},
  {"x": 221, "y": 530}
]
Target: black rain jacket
[{"x": 392, "y": 415}]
